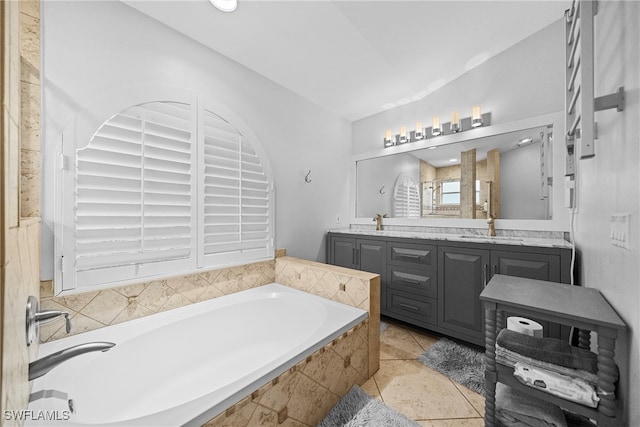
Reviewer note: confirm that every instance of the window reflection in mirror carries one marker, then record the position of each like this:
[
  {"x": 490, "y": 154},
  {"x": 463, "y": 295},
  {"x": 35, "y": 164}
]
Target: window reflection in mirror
[{"x": 513, "y": 184}]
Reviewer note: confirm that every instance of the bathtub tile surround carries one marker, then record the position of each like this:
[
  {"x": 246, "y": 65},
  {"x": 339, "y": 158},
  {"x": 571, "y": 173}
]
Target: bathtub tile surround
[
  {"x": 30, "y": 108},
  {"x": 351, "y": 287},
  {"x": 299, "y": 397},
  {"x": 20, "y": 208},
  {"x": 305, "y": 393},
  {"x": 22, "y": 269},
  {"x": 97, "y": 309}
]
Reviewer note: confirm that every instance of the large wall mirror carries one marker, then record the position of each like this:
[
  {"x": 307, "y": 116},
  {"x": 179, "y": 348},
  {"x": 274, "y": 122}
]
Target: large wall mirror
[{"x": 512, "y": 172}]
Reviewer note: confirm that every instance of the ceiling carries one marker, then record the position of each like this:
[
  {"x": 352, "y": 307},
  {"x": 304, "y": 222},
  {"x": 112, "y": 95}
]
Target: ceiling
[{"x": 358, "y": 58}]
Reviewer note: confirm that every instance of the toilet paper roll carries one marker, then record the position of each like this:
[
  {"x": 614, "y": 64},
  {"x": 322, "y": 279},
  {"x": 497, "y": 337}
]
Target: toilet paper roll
[{"x": 524, "y": 325}]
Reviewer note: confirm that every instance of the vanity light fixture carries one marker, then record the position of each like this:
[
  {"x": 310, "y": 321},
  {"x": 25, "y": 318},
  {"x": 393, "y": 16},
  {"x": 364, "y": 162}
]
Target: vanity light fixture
[
  {"x": 419, "y": 134},
  {"x": 435, "y": 127},
  {"x": 389, "y": 138},
  {"x": 455, "y": 122},
  {"x": 225, "y": 5},
  {"x": 438, "y": 129},
  {"x": 476, "y": 117},
  {"x": 403, "y": 135}
]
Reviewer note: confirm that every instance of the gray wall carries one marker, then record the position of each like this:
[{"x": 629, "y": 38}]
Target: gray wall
[
  {"x": 610, "y": 183},
  {"x": 373, "y": 174},
  {"x": 524, "y": 81}
]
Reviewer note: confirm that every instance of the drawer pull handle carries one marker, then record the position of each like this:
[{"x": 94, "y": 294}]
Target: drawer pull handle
[
  {"x": 412, "y": 256},
  {"x": 411, "y": 281},
  {"x": 409, "y": 306},
  {"x": 486, "y": 276}
]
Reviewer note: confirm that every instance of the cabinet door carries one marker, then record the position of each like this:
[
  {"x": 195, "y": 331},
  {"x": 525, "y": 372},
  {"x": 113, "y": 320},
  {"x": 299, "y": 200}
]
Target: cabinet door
[
  {"x": 371, "y": 256},
  {"x": 530, "y": 266},
  {"x": 343, "y": 252},
  {"x": 527, "y": 265},
  {"x": 462, "y": 274}
]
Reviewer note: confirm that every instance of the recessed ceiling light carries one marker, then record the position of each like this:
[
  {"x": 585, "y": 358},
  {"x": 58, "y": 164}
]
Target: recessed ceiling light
[
  {"x": 453, "y": 160},
  {"x": 225, "y": 5}
]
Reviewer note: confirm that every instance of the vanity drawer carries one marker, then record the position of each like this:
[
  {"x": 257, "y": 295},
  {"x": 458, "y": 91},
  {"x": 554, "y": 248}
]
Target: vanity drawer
[
  {"x": 413, "y": 280},
  {"x": 412, "y": 255},
  {"x": 423, "y": 310}
]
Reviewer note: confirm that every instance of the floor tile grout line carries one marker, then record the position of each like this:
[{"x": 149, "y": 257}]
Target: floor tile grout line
[
  {"x": 412, "y": 334},
  {"x": 465, "y": 396}
]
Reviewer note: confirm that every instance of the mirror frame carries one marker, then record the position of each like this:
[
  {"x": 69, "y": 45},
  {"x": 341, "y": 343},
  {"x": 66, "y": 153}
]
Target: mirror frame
[{"x": 560, "y": 214}]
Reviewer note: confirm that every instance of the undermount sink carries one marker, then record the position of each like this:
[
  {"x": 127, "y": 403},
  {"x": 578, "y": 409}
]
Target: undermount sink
[{"x": 479, "y": 236}]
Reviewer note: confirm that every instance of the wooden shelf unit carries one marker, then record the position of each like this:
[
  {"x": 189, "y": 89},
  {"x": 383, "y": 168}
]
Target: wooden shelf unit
[{"x": 583, "y": 308}]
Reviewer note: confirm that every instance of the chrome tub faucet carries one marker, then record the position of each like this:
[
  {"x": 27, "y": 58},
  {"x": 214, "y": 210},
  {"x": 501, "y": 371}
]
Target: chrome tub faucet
[{"x": 39, "y": 367}]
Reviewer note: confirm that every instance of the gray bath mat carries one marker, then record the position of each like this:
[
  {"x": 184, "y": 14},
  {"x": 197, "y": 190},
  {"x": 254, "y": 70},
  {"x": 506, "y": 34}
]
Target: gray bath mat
[
  {"x": 464, "y": 365},
  {"x": 358, "y": 409}
]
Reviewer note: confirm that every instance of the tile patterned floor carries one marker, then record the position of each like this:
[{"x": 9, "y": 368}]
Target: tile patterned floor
[{"x": 420, "y": 393}]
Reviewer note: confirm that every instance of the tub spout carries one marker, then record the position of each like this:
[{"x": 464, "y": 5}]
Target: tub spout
[{"x": 39, "y": 367}]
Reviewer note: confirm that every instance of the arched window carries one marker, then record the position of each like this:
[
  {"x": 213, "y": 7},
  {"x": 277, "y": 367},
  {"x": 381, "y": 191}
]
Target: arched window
[
  {"x": 161, "y": 188},
  {"x": 406, "y": 198}
]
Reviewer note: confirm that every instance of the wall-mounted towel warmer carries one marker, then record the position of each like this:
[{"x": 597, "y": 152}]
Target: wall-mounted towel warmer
[{"x": 581, "y": 103}]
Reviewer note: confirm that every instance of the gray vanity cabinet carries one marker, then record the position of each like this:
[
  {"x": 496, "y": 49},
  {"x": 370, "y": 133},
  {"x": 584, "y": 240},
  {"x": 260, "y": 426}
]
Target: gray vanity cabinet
[
  {"x": 538, "y": 266},
  {"x": 411, "y": 286},
  {"x": 462, "y": 275},
  {"x": 528, "y": 265},
  {"x": 359, "y": 254},
  {"x": 436, "y": 284}
]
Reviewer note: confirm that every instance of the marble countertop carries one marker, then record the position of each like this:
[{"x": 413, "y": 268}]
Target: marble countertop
[{"x": 466, "y": 237}]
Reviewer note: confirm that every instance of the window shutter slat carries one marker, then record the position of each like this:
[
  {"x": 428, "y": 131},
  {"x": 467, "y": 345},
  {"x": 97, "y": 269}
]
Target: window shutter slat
[
  {"x": 133, "y": 203},
  {"x": 236, "y": 208},
  {"x": 406, "y": 198},
  {"x": 144, "y": 180}
]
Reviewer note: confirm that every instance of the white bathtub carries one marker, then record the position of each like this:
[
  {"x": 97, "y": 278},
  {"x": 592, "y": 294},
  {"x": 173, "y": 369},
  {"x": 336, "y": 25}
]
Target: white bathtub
[{"x": 185, "y": 366}]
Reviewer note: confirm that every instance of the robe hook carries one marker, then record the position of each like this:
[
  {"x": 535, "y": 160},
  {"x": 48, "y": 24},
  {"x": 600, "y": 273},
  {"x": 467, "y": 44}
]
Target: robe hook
[
  {"x": 306, "y": 178},
  {"x": 381, "y": 190}
]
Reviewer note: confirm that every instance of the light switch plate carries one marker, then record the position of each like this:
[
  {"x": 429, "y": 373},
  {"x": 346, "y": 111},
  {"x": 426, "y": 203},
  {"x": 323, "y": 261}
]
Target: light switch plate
[{"x": 619, "y": 235}]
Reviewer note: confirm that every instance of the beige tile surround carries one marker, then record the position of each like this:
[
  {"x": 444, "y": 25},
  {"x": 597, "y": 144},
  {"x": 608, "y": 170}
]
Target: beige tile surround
[
  {"x": 305, "y": 393},
  {"x": 299, "y": 397},
  {"x": 97, "y": 309},
  {"x": 20, "y": 246},
  {"x": 30, "y": 108}
]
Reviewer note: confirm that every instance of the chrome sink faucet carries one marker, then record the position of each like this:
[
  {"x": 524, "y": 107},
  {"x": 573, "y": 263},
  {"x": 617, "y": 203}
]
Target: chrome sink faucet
[
  {"x": 39, "y": 367},
  {"x": 492, "y": 226},
  {"x": 378, "y": 220}
]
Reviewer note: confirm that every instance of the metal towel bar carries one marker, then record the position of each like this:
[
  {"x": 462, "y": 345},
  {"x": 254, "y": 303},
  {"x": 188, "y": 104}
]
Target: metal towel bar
[{"x": 580, "y": 101}]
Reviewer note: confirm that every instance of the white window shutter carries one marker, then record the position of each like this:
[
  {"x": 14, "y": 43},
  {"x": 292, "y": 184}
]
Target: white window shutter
[
  {"x": 134, "y": 206},
  {"x": 236, "y": 208},
  {"x": 160, "y": 189},
  {"x": 406, "y": 198}
]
